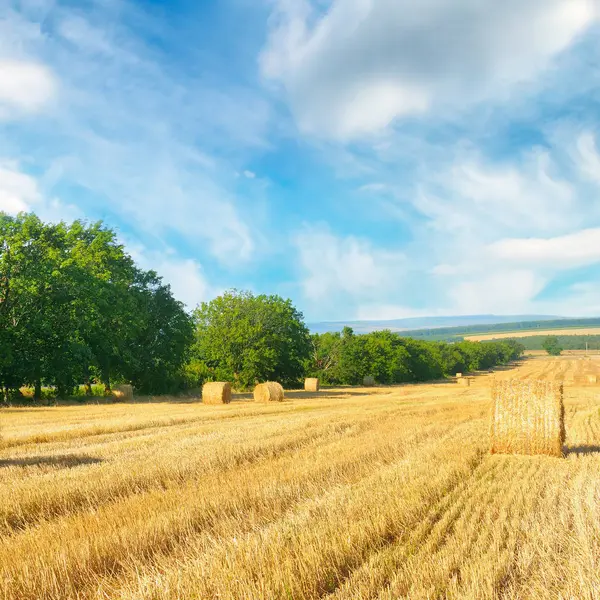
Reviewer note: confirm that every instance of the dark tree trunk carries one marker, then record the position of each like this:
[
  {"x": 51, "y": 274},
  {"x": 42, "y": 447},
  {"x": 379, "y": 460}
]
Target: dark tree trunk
[
  {"x": 37, "y": 391},
  {"x": 106, "y": 381},
  {"x": 87, "y": 384}
]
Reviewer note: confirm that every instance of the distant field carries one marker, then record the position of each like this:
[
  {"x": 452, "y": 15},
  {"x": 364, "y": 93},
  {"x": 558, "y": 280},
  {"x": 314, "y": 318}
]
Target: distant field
[
  {"x": 379, "y": 493},
  {"x": 536, "y": 332}
]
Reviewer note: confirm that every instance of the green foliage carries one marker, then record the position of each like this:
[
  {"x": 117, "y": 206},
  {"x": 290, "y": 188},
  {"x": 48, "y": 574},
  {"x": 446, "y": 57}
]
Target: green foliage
[
  {"x": 74, "y": 307},
  {"x": 245, "y": 338},
  {"x": 346, "y": 358},
  {"x": 552, "y": 346},
  {"x": 566, "y": 342}
]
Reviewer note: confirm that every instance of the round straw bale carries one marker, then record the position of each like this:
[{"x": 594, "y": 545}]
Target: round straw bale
[
  {"x": 123, "y": 392},
  {"x": 368, "y": 381},
  {"x": 270, "y": 391},
  {"x": 216, "y": 392},
  {"x": 592, "y": 379},
  {"x": 528, "y": 417},
  {"x": 311, "y": 384},
  {"x": 464, "y": 381}
]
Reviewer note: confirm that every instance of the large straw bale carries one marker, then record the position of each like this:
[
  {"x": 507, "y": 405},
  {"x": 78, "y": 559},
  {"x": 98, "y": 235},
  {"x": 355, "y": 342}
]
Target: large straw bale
[
  {"x": 216, "y": 392},
  {"x": 458, "y": 375},
  {"x": 268, "y": 392},
  {"x": 592, "y": 379},
  {"x": 464, "y": 381},
  {"x": 368, "y": 381},
  {"x": 123, "y": 392},
  {"x": 311, "y": 384},
  {"x": 527, "y": 417}
]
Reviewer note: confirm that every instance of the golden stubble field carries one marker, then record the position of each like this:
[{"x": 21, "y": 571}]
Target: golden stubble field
[
  {"x": 501, "y": 335},
  {"x": 349, "y": 494}
]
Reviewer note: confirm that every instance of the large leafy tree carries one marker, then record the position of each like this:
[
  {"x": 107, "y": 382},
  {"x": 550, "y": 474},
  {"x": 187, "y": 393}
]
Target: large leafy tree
[
  {"x": 74, "y": 306},
  {"x": 247, "y": 338}
]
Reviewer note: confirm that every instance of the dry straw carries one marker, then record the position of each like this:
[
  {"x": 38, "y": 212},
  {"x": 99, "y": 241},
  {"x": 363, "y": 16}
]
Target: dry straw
[
  {"x": 216, "y": 392},
  {"x": 368, "y": 381},
  {"x": 123, "y": 392},
  {"x": 528, "y": 417},
  {"x": 311, "y": 384},
  {"x": 268, "y": 392},
  {"x": 464, "y": 381},
  {"x": 458, "y": 375},
  {"x": 592, "y": 379}
]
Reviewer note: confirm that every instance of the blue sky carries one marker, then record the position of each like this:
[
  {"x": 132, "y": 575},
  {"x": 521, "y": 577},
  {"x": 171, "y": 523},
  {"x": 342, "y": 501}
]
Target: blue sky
[{"x": 366, "y": 158}]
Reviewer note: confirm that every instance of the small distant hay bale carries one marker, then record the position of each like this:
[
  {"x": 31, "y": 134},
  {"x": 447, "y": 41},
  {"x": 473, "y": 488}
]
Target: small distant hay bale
[
  {"x": 123, "y": 392},
  {"x": 368, "y": 381},
  {"x": 592, "y": 379},
  {"x": 270, "y": 391},
  {"x": 216, "y": 392},
  {"x": 311, "y": 384},
  {"x": 458, "y": 375},
  {"x": 528, "y": 417},
  {"x": 464, "y": 381}
]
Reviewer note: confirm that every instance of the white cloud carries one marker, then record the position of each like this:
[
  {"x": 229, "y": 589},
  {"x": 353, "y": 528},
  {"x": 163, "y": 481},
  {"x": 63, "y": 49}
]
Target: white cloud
[
  {"x": 146, "y": 146},
  {"x": 361, "y": 64},
  {"x": 25, "y": 87},
  {"x": 500, "y": 292},
  {"x": 588, "y": 156},
  {"x": 84, "y": 36},
  {"x": 249, "y": 174},
  {"x": 186, "y": 276},
  {"x": 563, "y": 252},
  {"x": 18, "y": 191},
  {"x": 475, "y": 195},
  {"x": 344, "y": 266}
]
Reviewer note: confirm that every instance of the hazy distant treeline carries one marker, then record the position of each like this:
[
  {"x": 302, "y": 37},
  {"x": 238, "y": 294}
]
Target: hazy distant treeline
[{"x": 457, "y": 333}]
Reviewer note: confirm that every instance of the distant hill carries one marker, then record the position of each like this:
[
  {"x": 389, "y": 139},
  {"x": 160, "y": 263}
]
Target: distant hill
[{"x": 415, "y": 323}]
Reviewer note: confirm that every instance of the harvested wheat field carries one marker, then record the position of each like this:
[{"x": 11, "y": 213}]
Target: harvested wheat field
[
  {"x": 343, "y": 494},
  {"x": 500, "y": 335}
]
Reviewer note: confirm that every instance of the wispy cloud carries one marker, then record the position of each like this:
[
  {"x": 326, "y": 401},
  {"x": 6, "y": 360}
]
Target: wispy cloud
[
  {"x": 345, "y": 269},
  {"x": 136, "y": 139},
  {"x": 357, "y": 67}
]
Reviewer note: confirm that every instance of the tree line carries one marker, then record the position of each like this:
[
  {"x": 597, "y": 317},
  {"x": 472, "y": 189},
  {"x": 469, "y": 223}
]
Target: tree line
[
  {"x": 76, "y": 310},
  {"x": 346, "y": 358}
]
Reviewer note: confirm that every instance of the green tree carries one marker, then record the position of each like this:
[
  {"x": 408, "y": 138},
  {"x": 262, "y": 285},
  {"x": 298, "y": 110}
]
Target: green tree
[
  {"x": 552, "y": 346},
  {"x": 324, "y": 359},
  {"x": 73, "y": 305},
  {"x": 246, "y": 338}
]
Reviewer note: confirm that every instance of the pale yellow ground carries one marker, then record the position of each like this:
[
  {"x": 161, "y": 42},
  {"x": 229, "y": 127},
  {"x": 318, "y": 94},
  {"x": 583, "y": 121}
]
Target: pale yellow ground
[
  {"x": 350, "y": 494},
  {"x": 500, "y": 335}
]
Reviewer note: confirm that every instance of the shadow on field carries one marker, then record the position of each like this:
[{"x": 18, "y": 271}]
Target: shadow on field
[
  {"x": 68, "y": 461},
  {"x": 340, "y": 392},
  {"x": 582, "y": 449}
]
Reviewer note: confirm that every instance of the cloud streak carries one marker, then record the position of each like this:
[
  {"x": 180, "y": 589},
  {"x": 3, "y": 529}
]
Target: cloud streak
[{"x": 364, "y": 63}]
